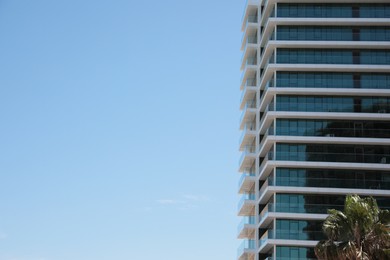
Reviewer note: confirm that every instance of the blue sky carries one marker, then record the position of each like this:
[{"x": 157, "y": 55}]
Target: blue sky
[{"x": 119, "y": 129}]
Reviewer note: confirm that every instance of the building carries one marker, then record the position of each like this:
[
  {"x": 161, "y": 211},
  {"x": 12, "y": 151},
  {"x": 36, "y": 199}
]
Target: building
[{"x": 315, "y": 118}]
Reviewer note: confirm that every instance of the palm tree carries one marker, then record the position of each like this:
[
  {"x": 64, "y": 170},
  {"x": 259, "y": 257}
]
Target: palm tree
[{"x": 362, "y": 232}]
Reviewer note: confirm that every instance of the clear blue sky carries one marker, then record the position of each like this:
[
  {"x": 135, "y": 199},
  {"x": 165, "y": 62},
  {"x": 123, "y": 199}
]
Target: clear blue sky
[{"x": 119, "y": 129}]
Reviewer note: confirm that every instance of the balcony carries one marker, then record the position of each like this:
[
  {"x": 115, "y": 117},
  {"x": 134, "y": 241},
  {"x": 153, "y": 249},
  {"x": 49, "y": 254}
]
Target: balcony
[
  {"x": 269, "y": 107},
  {"x": 251, "y": 21},
  {"x": 263, "y": 241},
  {"x": 269, "y": 156},
  {"x": 352, "y": 183},
  {"x": 333, "y": 157},
  {"x": 249, "y": 38},
  {"x": 249, "y": 85},
  {"x": 246, "y": 182},
  {"x": 307, "y": 237},
  {"x": 248, "y": 157},
  {"x": 249, "y": 111},
  {"x": 248, "y": 72},
  {"x": 247, "y": 227},
  {"x": 248, "y": 92},
  {"x": 248, "y": 134},
  {"x": 301, "y": 208},
  {"x": 270, "y": 131},
  {"x": 247, "y": 250},
  {"x": 249, "y": 50},
  {"x": 249, "y": 7},
  {"x": 246, "y": 205}
]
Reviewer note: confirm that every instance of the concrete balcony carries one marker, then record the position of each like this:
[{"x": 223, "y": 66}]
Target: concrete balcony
[
  {"x": 247, "y": 158},
  {"x": 247, "y": 250},
  {"x": 249, "y": 38},
  {"x": 247, "y": 227},
  {"x": 248, "y": 92},
  {"x": 246, "y": 182},
  {"x": 246, "y": 205},
  {"x": 288, "y": 238},
  {"x": 250, "y": 8},
  {"x": 250, "y": 50},
  {"x": 248, "y": 134},
  {"x": 248, "y": 113}
]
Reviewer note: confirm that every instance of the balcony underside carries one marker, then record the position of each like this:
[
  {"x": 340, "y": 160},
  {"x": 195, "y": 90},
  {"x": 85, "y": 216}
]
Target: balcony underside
[{"x": 248, "y": 232}]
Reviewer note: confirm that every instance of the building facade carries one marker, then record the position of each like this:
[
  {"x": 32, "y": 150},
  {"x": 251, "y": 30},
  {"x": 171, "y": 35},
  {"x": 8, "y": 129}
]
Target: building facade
[{"x": 315, "y": 118}]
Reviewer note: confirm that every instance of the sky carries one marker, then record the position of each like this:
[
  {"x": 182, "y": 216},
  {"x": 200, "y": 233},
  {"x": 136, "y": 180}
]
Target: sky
[{"x": 119, "y": 129}]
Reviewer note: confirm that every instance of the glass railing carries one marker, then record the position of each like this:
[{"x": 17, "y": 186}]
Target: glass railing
[
  {"x": 244, "y": 176},
  {"x": 250, "y": 82},
  {"x": 249, "y": 220},
  {"x": 251, "y": 60},
  {"x": 270, "y": 107},
  {"x": 267, "y": 157},
  {"x": 246, "y": 197},
  {"x": 271, "y": 15},
  {"x": 302, "y": 58},
  {"x": 264, "y": 46},
  {"x": 300, "y": 208},
  {"x": 251, "y": 126},
  {"x": 249, "y": 2},
  {"x": 299, "y": 235},
  {"x": 248, "y": 149},
  {"x": 333, "y": 107},
  {"x": 267, "y": 235},
  {"x": 333, "y": 132},
  {"x": 251, "y": 39},
  {"x": 270, "y": 84},
  {"x": 329, "y": 183},
  {"x": 333, "y": 157},
  {"x": 251, "y": 74},
  {"x": 251, "y": 104},
  {"x": 270, "y": 131},
  {"x": 252, "y": 19},
  {"x": 291, "y": 235},
  {"x": 322, "y": 10},
  {"x": 332, "y": 80},
  {"x": 268, "y": 208},
  {"x": 289, "y": 258},
  {"x": 246, "y": 244},
  {"x": 331, "y": 36}
]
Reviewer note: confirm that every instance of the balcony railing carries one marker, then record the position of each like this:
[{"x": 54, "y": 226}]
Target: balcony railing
[
  {"x": 269, "y": 156},
  {"x": 250, "y": 126},
  {"x": 334, "y": 132},
  {"x": 244, "y": 198},
  {"x": 333, "y": 157},
  {"x": 286, "y": 258},
  {"x": 264, "y": 213},
  {"x": 270, "y": 131},
  {"x": 248, "y": 149},
  {"x": 250, "y": 82},
  {"x": 298, "y": 208},
  {"x": 251, "y": 104},
  {"x": 329, "y": 183},
  {"x": 291, "y": 235},
  {"x": 245, "y": 175},
  {"x": 247, "y": 3},
  {"x": 245, "y": 245},
  {"x": 270, "y": 107},
  {"x": 249, "y": 220}
]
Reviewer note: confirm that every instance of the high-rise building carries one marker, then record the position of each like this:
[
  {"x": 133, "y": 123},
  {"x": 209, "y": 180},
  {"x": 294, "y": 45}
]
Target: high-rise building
[{"x": 315, "y": 118}]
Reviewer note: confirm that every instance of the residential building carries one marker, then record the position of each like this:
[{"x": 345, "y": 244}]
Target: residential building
[{"x": 315, "y": 118}]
